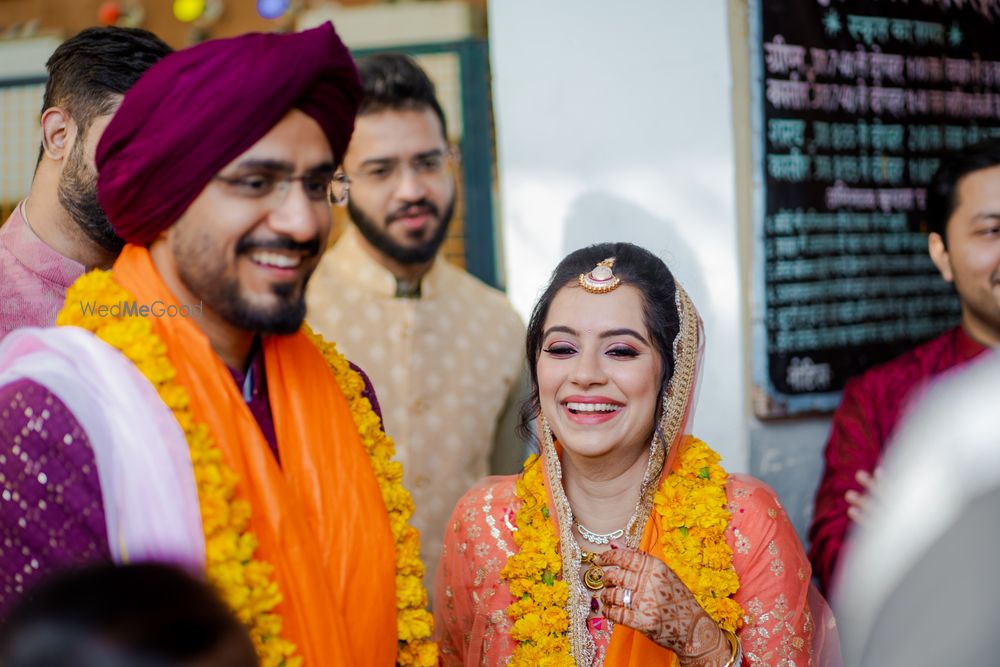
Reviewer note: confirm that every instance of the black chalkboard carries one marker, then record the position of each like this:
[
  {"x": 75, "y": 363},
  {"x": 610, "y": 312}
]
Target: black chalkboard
[{"x": 854, "y": 104}]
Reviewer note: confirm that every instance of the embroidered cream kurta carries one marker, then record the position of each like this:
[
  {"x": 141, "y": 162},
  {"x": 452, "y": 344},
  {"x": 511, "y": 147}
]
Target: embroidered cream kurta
[{"x": 448, "y": 370}]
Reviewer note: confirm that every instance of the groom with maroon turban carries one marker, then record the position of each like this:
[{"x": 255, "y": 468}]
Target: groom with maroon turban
[{"x": 180, "y": 413}]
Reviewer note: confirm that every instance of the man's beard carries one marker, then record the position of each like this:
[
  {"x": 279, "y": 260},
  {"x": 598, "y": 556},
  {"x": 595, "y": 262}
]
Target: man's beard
[
  {"x": 203, "y": 272},
  {"x": 78, "y": 196},
  {"x": 378, "y": 237}
]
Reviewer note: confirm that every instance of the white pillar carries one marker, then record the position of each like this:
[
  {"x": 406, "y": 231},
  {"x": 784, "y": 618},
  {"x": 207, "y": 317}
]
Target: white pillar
[{"x": 615, "y": 122}]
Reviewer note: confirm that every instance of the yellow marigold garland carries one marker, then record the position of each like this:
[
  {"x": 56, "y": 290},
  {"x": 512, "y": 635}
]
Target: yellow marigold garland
[
  {"x": 693, "y": 516},
  {"x": 414, "y": 622},
  {"x": 541, "y": 623},
  {"x": 245, "y": 583},
  {"x": 690, "y": 508}
]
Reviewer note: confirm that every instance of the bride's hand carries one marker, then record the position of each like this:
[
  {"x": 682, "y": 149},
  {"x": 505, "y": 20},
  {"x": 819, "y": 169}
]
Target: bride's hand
[{"x": 660, "y": 607}]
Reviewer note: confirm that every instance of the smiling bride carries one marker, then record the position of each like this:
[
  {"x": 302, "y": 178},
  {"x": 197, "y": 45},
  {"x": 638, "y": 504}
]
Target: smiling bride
[{"x": 624, "y": 542}]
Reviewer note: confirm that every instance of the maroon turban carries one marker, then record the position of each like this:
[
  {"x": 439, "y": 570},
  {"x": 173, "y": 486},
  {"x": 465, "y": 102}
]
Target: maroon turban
[{"x": 196, "y": 110}]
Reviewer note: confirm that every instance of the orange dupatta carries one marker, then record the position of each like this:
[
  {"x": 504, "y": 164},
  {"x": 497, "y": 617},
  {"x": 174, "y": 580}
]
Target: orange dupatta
[
  {"x": 631, "y": 647},
  {"x": 319, "y": 517}
]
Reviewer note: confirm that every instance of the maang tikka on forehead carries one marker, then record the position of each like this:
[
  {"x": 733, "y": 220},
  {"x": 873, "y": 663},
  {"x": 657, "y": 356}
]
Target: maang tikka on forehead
[{"x": 601, "y": 278}]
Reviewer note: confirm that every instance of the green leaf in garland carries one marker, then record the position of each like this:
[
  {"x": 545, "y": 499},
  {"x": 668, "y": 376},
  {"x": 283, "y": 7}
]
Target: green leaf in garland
[
  {"x": 545, "y": 511},
  {"x": 684, "y": 530},
  {"x": 548, "y": 579},
  {"x": 703, "y": 473}
]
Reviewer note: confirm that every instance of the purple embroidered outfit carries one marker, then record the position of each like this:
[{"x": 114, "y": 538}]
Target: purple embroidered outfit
[{"x": 51, "y": 506}]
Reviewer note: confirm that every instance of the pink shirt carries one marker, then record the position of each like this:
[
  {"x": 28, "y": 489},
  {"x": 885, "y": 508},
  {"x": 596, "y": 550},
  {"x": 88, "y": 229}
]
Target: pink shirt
[{"x": 33, "y": 277}]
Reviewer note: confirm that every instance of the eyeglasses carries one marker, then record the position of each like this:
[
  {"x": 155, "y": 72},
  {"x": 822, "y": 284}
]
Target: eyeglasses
[
  {"x": 387, "y": 173},
  {"x": 273, "y": 189}
]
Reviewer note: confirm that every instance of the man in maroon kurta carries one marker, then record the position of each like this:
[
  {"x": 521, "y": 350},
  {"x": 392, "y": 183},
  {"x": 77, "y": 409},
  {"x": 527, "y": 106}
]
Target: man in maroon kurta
[{"x": 963, "y": 216}]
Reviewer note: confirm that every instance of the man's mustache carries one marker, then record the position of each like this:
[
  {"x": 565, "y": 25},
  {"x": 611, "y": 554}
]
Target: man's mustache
[
  {"x": 308, "y": 248},
  {"x": 422, "y": 207}
]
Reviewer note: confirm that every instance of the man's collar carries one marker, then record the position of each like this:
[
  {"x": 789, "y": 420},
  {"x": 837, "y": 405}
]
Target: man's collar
[
  {"x": 966, "y": 346},
  {"x": 35, "y": 254},
  {"x": 408, "y": 289},
  {"x": 251, "y": 381},
  {"x": 353, "y": 263}
]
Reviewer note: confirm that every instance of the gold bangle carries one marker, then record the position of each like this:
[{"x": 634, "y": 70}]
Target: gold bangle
[{"x": 734, "y": 646}]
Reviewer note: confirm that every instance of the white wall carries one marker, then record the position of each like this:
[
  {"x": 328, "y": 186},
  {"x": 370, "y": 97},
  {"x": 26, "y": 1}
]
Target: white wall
[
  {"x": 21, "y": 58},
  {"x": 614, "y": 122},
  {"x": 20, "y": 107}
]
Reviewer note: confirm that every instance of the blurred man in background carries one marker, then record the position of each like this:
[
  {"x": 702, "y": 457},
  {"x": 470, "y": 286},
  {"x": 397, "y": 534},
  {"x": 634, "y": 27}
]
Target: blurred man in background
[
  {"x": 963, "y": 214},
  {"x": 445, "y": 350},
  {"x": 129, "y": 616},
  {"x": 59, "y": 231}
]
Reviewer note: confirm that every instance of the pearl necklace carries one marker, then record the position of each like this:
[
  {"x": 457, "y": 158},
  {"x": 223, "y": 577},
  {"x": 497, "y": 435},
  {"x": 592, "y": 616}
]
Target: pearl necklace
[{"x": 599, "y": 538}]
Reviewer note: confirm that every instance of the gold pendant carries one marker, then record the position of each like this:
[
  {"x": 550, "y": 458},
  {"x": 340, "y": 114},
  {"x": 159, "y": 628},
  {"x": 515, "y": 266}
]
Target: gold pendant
[{"x": 593, "y": 578}]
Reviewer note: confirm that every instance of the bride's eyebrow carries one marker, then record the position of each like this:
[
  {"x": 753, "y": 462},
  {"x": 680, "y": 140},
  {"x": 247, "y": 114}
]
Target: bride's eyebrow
[
  {"x": 559, "y": 329},
  {"x": 624, "y": 332}
]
